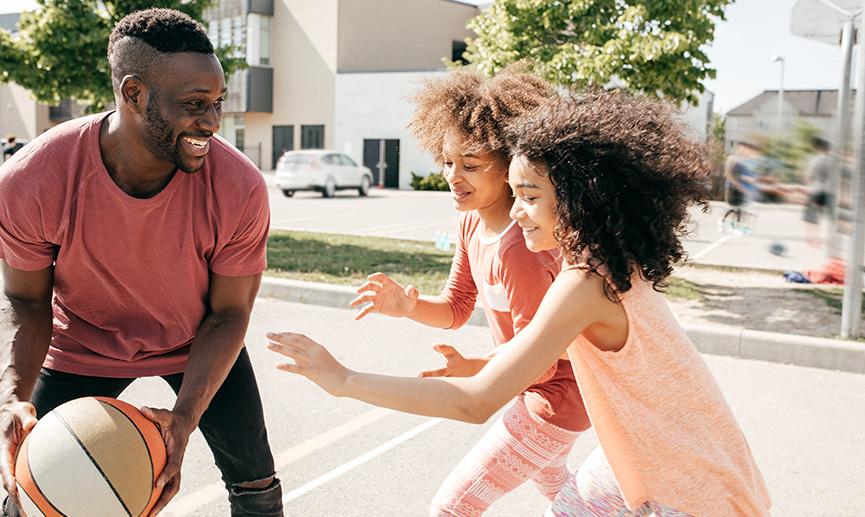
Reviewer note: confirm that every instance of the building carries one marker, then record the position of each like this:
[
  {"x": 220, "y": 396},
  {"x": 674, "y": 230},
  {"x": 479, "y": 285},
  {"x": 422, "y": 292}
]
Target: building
[
  {"x": 759, "y": 115},
  {"x": 334, "y": 74}
]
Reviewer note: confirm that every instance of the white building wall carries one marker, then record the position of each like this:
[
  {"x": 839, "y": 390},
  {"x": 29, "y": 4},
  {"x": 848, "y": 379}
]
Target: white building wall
[
  {"x": 375, "y": 106},
  {"x": 698, "y": 117}
]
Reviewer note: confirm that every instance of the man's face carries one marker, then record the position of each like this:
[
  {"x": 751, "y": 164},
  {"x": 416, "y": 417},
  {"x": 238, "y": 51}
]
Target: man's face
[{"x": 184, "y": 109}]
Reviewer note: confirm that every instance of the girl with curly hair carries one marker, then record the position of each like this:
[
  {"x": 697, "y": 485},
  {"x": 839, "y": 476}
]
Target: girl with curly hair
[
  {"x": 461, "y": 119},
  {"x": 608, "y": 179}
]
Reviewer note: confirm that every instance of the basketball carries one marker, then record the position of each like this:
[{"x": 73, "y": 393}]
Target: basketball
[{"x": 90, "y": 456}]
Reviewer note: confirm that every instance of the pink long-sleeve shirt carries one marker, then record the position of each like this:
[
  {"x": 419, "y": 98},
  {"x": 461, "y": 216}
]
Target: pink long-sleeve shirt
[{"x": 511, "y": 281}]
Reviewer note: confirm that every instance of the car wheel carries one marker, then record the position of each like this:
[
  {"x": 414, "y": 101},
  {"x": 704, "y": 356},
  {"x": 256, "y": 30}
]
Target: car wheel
[
  {"x": 329, "y": 188},
  {"x": 364, "y": 186},
  {"x": 288, "y": 193}
]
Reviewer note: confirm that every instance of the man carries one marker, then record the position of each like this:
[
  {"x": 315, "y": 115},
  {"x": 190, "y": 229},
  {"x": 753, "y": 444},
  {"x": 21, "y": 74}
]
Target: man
[
  {"x": 149, "y": 233},
  {"x": 12, "y": 146},
  {"x": 822, "y": 185},
  {"x": 739, "y": 185}
]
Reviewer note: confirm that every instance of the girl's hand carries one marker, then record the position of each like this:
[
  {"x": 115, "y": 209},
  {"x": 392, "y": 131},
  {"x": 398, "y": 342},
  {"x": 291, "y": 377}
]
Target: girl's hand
[
  {"x": 457, "y": 365},
  {"x": 385, "y": 296},
  {"x": 310, "y": 359}
]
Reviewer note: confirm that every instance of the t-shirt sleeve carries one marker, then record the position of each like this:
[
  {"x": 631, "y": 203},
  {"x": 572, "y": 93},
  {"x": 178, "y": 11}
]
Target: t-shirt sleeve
[
  {"x": 246, "y": 251},
  {"x": 526, "y": 276},
  {"x": 460, "y": 290},
  {"x": 25, "y": 210}
]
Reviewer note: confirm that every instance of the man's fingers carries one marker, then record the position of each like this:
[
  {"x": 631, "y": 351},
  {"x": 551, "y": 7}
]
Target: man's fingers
[
  {"x": 7, "y": 469},
  {"x": 168, "y": 493},
  {"x": 155, "y": 415}
]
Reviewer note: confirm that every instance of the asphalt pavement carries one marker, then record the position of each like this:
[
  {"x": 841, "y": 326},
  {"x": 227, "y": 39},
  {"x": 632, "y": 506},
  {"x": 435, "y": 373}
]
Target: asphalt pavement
[{"x": 339, "y": 457}]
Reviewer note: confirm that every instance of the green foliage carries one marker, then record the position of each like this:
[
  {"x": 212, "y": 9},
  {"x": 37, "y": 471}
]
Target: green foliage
[
  {"x": 655, "y": 47},
  {"x": 432, "y": 181},
  {"x": 786, "y": 158},
  {"x": 60, "y": 51}
]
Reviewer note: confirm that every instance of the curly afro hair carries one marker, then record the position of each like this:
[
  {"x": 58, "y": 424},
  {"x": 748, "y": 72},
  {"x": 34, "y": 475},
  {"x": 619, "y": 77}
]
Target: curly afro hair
[
  {"x": 625, "y": 173},
  {"x": 479, "y": 107}
]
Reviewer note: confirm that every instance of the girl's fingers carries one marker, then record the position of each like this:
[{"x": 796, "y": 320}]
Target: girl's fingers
[
  {"x": 380, "y": 278},
  {"x": 369, "y": 286},
  {"x": 289, "y": 367},
  {"x": 365, "y": 298},
  {"x": 366, "y": 310}
]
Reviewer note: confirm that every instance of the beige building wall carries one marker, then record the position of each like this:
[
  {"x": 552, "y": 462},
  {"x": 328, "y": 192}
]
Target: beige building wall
[
  {"x": 304, "y": 68},
  {"x": 399, "y": 35},
  {"x": 21, "y": 114}
]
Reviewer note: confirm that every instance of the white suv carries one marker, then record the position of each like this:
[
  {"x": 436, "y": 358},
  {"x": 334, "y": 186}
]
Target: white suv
[{"x": 323, "y": 171}]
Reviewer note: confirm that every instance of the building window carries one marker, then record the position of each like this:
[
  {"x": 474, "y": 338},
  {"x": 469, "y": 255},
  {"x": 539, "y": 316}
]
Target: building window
[
  {"x": 312, "y": 137},
  {"x": 458, "y": 48},
  {"x": 264, "y": 33},
  {"x": 225, "y": 32},
  {"x": 259, "y": 31}
]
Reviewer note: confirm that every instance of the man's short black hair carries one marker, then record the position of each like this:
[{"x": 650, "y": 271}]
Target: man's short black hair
[{"x": 139, "y": 42}]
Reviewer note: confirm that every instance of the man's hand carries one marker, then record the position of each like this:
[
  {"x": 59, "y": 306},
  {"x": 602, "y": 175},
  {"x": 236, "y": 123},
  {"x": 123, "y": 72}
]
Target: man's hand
[
  {"x": 175, "y": 429},
  {"x": 16, "y": 421},
  {"x": 457, "y": 365},
  {"x": 385, "y": 296}
]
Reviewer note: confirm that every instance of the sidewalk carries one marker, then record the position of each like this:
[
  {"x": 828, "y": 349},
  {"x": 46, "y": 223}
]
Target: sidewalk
[{"x": 831, "y": 354}]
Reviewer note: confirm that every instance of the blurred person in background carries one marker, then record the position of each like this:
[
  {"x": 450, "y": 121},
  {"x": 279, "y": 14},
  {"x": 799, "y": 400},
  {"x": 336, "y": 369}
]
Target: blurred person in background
[
  {"x": 821, "y": 175},
  {"x": 741, "y": 189},
  {"x": 11, "y": 147}
]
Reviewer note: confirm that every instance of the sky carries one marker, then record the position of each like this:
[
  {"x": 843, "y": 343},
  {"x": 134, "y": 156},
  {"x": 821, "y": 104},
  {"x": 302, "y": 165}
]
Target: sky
[{"x": 754, "y": 31}]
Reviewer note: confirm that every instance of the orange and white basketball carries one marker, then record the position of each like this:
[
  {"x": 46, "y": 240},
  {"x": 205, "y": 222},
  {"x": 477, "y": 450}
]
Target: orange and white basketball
[{"x": 91, "y": 456}]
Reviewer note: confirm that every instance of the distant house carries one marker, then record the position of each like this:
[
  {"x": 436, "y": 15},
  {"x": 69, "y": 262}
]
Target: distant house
[{"x": 759, "y": 115}]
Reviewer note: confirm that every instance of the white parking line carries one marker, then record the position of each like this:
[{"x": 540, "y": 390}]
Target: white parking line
[
  {"x": 190, "y": 503},
  {"x": 360, "y": 460},
  {"x": 708, "y": 249}
]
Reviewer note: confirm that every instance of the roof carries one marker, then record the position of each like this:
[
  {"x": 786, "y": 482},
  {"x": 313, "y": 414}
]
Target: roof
[
  {"x": 814, "y": 103},
  {"x": 9, "y": 22}
]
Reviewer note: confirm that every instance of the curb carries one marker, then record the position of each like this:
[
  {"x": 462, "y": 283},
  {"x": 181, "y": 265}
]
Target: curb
[{"x": 814, "y": 352}]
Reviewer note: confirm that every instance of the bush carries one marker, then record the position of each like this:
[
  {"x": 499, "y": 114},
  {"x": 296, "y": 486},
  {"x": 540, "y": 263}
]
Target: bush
[{"x": 432, "y": 181}]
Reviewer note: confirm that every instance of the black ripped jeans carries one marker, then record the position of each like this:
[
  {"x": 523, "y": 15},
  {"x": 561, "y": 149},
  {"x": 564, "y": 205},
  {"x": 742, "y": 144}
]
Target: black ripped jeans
[{"x": 233, "y": 426}]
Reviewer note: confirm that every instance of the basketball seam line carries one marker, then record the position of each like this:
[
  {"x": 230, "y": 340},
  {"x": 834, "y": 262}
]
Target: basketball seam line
[
  {"x": 42, "y": 492},
  {"x": 93, "y": 461},
  {"x": 143, "y": 440}
]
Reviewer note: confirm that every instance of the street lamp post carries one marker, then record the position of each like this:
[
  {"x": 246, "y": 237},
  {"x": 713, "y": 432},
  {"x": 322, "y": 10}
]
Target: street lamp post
[{"x": 780, "y": 59}]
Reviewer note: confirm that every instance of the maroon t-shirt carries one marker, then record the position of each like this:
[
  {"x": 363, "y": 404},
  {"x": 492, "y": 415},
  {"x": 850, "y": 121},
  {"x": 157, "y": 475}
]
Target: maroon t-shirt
[{"x": 131, "y": 276}]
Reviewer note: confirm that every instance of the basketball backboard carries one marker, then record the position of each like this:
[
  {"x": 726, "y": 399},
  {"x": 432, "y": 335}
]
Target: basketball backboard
[{"x": 821, "y": 20}]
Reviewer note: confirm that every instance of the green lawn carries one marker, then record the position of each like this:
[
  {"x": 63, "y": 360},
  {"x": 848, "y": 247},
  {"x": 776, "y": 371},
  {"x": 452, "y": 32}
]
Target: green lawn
[{"x": 349, "y": 259}]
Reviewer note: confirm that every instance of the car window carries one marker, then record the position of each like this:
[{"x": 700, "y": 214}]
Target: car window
[
  {"x": 330, "y": 159},
  {"x": 299, "y": 158},
  {"x": 347, "y": 161}
]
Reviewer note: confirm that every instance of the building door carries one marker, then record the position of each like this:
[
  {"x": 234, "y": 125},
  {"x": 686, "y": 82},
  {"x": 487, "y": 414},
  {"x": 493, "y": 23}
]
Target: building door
[
  {"x": 283, "y": 140},
  {"x": 382, "y": 158}
]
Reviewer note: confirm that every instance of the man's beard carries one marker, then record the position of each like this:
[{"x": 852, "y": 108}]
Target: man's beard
[{"x": 163, "y": 138}]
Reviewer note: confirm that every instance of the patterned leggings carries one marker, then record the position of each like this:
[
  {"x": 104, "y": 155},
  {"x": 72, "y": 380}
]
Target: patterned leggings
[
  {"x": 518, "y": 447},
  {"x": 593, "y": 492}
]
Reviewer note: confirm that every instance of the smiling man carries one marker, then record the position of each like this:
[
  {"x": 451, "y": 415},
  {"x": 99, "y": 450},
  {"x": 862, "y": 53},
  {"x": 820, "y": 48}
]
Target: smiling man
[{"x": 133, "y": 244}]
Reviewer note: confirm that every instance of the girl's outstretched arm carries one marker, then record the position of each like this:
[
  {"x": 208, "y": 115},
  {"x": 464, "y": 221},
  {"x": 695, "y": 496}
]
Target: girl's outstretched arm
[{"x": 574, "y": 302}]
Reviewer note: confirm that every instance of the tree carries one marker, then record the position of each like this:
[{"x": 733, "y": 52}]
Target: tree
[
  {"x": 648, "y": 46},
  {"x": 60, "y": 50}
]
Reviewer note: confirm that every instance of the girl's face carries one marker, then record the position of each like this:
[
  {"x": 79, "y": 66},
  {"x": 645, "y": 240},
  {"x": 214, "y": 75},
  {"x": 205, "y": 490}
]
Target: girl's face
[
  {"x": 477, "y": 179},
  {"x": 534, "y": 208}
]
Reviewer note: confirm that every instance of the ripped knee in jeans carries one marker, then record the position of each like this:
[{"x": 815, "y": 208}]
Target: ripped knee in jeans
[{"x": 256, "y": 486}]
